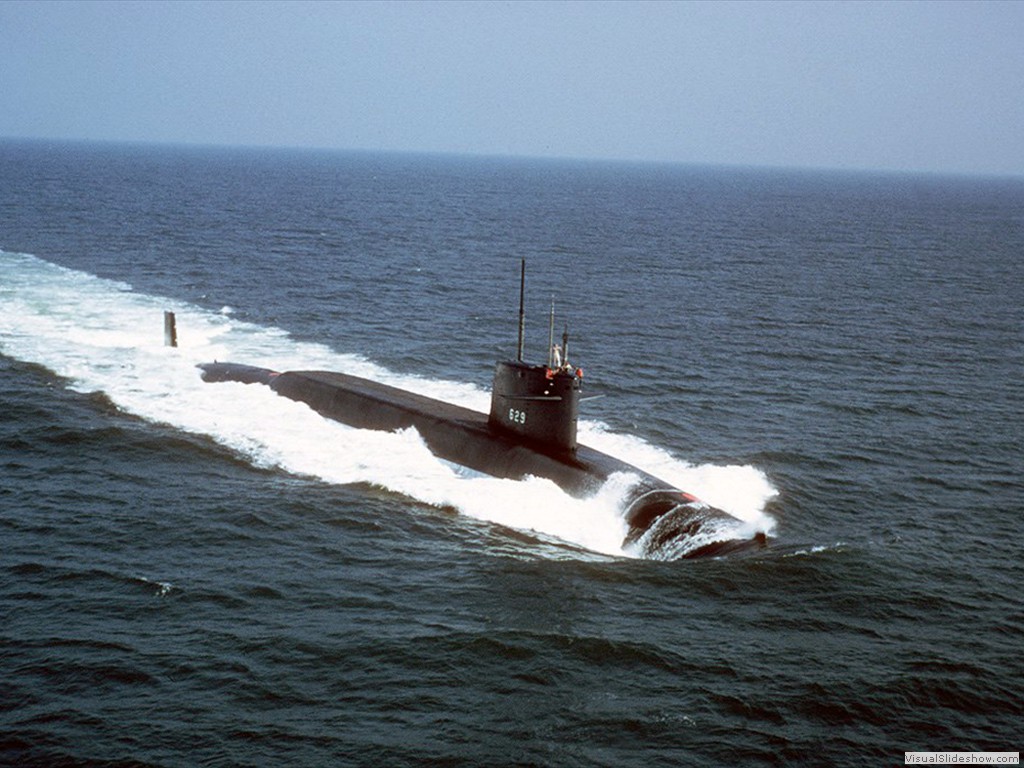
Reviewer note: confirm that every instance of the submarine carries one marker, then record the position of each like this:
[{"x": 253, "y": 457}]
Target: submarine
[{"x": 530, "y": 430}]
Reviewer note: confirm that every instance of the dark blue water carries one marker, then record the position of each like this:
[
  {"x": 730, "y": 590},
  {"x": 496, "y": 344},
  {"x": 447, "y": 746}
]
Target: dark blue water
[{"x": 187, "y": 581}]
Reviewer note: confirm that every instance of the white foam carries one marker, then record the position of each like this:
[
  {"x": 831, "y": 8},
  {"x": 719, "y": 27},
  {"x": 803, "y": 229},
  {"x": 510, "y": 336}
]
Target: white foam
[
  {"x": 105, "y": 337},
  {"x": 742, "y": 491}
]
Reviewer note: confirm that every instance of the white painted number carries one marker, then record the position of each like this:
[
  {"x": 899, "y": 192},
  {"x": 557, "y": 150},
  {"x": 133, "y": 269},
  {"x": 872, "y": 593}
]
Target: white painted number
[{"x": 516, "y": 417}]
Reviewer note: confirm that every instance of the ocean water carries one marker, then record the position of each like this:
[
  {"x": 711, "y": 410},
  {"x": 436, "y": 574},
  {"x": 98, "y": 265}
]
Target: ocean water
[{"x": 194, "y": 574}]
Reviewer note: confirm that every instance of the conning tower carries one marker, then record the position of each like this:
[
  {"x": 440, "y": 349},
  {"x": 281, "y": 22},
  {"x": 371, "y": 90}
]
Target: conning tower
[{"x": 537, "y": 403}]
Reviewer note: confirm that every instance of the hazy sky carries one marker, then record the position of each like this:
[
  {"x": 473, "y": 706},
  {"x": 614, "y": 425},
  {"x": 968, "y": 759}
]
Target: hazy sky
[{"x": 934, "y": 86}]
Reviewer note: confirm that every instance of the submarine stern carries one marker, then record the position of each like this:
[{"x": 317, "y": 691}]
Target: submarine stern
[{"x": 213, "y": 373}]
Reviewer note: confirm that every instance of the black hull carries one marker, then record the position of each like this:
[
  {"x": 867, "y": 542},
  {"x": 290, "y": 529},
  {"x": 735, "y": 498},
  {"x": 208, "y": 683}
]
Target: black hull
[{"x": 659, "y": 516}]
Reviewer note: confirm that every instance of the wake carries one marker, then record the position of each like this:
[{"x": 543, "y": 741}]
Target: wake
[{"x": 104, "y": 337}]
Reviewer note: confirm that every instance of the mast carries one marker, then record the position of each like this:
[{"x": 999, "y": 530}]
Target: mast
[
  {"x": 551, "y": 335},
  {"x": 522, "y": 310}
]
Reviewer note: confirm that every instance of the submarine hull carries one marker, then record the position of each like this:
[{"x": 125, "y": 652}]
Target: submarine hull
[{"x": 663, "y": 522}]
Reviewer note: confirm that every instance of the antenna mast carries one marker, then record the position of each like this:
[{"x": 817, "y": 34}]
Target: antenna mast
[
  {"x": 551, "y": 335},
  {"x": 522, "y": 310}
]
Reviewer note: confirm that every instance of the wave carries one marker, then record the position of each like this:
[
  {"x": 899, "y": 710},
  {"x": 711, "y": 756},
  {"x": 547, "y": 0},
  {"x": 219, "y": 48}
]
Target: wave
[{"x": 104, "y": 337}]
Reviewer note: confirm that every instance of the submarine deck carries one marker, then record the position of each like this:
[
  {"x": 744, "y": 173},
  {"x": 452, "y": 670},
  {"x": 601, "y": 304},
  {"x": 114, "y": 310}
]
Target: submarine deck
[{"x": 454, "y": 432}]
